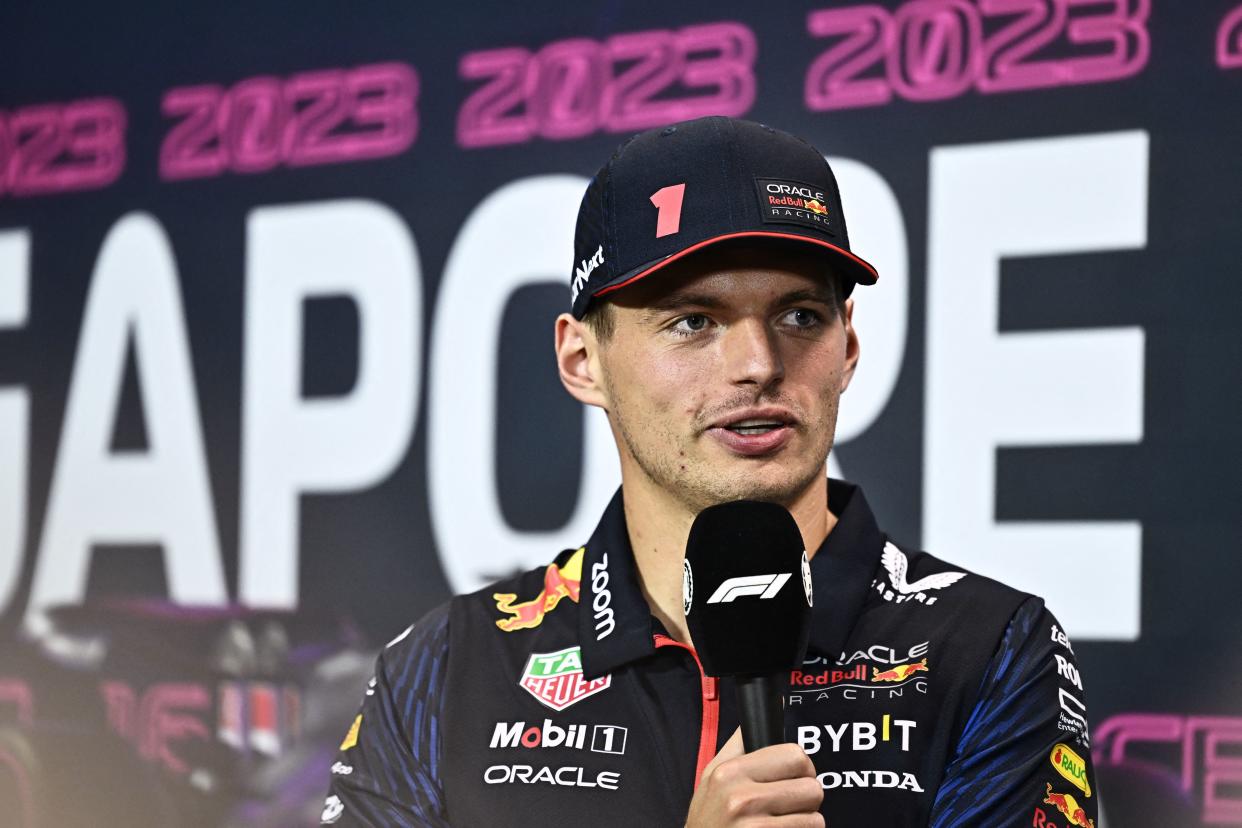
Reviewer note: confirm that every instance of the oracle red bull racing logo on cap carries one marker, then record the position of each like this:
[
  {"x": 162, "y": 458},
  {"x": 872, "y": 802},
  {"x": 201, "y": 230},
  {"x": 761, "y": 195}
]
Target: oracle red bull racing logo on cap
[
  {"x": 1069, "y": 807},
  {"x": 556, "y": 680},
  {"x": 558, "y": 582},
  {"x": 792, "y": 202}
]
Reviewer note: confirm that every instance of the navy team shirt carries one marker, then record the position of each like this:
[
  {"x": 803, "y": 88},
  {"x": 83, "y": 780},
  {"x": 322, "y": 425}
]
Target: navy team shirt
[{"x": 929, "y": 696}]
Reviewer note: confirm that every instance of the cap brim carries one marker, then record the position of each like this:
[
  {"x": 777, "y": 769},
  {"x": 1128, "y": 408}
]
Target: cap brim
[{"x": 853, "y": 267}]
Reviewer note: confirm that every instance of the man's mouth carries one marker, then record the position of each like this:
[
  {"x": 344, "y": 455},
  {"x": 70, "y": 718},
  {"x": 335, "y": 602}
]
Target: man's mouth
[
  {"x": 754, "y": 433},
  {"x": 754, "y": 426}
]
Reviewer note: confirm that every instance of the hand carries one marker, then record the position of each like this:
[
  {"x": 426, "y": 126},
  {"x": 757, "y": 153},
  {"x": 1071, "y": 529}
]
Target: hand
[{"x": 775, "y": 786}]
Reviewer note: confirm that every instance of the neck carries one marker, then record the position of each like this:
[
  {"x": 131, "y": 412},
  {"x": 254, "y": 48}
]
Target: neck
[{"x": 659, "y": 525}]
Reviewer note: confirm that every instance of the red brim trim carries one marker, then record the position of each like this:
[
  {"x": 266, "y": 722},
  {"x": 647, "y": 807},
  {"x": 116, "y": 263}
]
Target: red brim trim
[{"x": 744, "y": 234}]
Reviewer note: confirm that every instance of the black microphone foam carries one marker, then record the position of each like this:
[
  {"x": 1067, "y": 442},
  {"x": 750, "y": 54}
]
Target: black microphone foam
[{"x": 746, "y": 589}]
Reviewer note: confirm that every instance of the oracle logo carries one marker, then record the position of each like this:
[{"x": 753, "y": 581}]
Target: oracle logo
[
  {"x": 573, "y": 777},
  {"x": 790, "y": 189}
]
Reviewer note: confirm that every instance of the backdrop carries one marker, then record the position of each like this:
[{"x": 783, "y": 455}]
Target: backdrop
[{"x": 276, "y": 294}]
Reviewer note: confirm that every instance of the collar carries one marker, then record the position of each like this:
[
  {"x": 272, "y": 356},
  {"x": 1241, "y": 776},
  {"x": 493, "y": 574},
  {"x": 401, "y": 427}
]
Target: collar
[{"x": 615, "y": 625}]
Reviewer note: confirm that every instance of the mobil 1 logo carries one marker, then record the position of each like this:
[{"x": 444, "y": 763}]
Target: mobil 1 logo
[{"x": 596, "y": 738}]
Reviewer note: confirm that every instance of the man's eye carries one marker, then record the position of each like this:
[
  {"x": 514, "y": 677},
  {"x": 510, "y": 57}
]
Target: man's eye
[
  {"x": 802, "y": 318},
  {"x": 693, "y": 323}
]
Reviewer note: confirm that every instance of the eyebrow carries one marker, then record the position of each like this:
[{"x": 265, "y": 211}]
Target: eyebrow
[
  {"x": 682, "y": 299},
  {"x": 822, "y": 295}
]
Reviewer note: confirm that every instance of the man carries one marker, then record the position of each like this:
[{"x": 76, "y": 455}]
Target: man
[{"x": 710, "y": 320}]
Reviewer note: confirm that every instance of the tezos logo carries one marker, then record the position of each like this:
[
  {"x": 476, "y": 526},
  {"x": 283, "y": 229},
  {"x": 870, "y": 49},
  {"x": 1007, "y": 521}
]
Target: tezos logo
[
  {"x": 687, "y": 587},
  {"x": 1061, "y": 638},
  {"x": 765, "y": 586}
]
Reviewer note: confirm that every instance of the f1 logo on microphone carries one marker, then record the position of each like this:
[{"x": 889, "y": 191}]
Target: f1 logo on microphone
[{"x": 765, "y": 586}]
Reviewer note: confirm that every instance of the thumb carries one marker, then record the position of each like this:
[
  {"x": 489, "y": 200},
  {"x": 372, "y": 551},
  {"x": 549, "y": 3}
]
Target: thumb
[{"x": 731, "y": 750}]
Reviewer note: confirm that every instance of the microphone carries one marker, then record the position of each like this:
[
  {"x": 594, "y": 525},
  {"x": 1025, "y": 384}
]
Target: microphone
[{"x": 746, "y": 592}]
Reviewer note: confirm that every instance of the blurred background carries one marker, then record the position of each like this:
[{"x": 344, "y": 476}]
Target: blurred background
[{"x": 277, "y": 284}]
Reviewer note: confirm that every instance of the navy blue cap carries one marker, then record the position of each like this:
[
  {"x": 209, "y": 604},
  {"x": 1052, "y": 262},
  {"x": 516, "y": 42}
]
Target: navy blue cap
[{"x": 672, "y": 190}]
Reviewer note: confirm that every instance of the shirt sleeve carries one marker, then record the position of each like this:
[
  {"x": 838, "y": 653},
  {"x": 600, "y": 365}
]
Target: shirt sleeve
[
  {"x": 1024, "y": 754},
  {"x": 387, "y": 770}
]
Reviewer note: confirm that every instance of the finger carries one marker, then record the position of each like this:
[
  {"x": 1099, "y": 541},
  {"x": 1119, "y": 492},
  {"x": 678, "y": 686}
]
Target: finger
[
  {"x": 730, "y": 750},
  {"x": 815, "y": 820},
  {"x": 794, "y": 796},
  {"x": 776, "y": 762}
]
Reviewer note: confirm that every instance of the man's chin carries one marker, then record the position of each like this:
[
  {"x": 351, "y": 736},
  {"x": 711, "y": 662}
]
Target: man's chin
[{"x": 784, "y": 488}]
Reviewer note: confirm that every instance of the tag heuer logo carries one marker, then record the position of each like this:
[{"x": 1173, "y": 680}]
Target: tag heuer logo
[{"x": 555, "y": 679}]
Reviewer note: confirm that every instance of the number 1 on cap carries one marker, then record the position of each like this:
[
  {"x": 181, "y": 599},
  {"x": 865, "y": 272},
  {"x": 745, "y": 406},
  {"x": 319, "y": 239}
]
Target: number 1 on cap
[{"x": 668, "y": 201}]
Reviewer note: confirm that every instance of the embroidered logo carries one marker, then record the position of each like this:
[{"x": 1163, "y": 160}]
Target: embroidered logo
[
  {"x": 558, "y": 582},
  {"x": 784, "y": 201},
  {"x": 895, "y": 562},
  {"x": 582, "y": 273},
  {"x": 555, "y": 679}
]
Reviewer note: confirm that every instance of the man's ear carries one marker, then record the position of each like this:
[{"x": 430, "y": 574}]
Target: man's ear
[
  {"x": 578, "y": 361},
  {"x": 851, "y": 344}
]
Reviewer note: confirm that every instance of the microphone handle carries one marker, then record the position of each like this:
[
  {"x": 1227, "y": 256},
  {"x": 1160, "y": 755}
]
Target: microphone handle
[{"x": 761, "y": 711}]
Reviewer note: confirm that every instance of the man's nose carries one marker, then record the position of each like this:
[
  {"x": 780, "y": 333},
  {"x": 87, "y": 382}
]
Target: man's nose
[{"x": 751, "y": 354}]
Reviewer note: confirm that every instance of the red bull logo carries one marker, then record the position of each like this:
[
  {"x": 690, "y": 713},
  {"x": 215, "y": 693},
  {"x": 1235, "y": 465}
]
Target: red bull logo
[
  {"x": 558, "y": 582},
  {"x": 1072, "y": 766},
  {"x": 798, "y": 678},
  {"x": 811, "y": 205},
  {"x": 1069, "y": 807},
  {"x": 901, "y": 672}
]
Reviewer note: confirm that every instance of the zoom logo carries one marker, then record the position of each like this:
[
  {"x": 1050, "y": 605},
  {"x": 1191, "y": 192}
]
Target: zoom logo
[{"x": 765, "y": 586}]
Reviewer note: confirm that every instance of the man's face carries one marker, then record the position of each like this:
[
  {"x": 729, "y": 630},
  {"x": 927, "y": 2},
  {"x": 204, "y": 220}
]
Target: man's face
[{"x": 723, "y": 373}]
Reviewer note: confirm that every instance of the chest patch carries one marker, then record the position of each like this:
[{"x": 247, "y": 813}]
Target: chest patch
[{"x": 555, "y": 679}]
